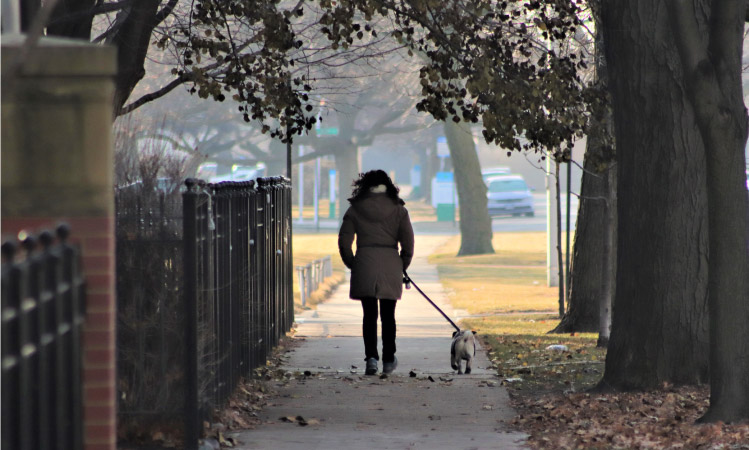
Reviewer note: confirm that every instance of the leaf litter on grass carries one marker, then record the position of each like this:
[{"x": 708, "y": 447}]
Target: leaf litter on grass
[
  {"x": 663, "y": 419},
  {"x": 550, "y": 388}
]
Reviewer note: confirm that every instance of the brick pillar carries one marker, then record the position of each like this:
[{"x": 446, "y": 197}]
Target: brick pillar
[{"x": 57, "y": 166}]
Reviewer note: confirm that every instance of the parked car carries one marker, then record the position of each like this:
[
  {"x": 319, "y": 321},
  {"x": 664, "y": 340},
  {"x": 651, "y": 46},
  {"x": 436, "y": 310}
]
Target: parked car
[
  {"x": 494, "y": 171},
  {"x": 509, "y": 194}
]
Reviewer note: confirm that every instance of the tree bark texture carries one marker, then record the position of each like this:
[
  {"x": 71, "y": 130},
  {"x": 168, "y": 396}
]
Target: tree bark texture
[
  {"x": 660, "y": 324},
  {"x": 134, "y": 26},
  {"x": 713, "y": 83},
  {"x": 475, "y": 223},
  {"x": 606, "y": 298},
  {"x": 72, "y": 18}
]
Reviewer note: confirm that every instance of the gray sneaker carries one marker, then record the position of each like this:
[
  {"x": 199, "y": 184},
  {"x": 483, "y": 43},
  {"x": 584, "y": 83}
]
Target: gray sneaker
[
  {"x": 389, "y": 367},
  {"x": 371, "y": 366}
]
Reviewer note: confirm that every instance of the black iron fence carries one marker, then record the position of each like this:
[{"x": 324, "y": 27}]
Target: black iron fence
[
  {"x": 238, "y": 286},
  {"x": 42, "y": 316},
  {"x": 150, "y": 317},
  {"x": 204, "y": 287}
]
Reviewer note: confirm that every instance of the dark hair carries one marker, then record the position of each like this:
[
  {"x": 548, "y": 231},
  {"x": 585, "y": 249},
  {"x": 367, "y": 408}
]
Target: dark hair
[{"x": 368, "y": 180}]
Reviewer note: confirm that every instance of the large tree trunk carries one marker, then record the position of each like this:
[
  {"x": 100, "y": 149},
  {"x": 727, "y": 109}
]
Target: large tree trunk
[
  {"x": 132, "y": 39},
  {"x": 347, "y": 165},
  {"x": 475, "y": 223},
  {"x": 714, "y": 89},
  {"x": 431, "y": 168},
  {"x": 72, "y": 18},
  {"x": 660, "y": 325}
]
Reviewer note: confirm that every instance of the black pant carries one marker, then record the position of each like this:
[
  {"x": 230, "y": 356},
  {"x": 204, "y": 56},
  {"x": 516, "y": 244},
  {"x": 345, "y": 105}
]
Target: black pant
[{"x": 369, "y": 328}]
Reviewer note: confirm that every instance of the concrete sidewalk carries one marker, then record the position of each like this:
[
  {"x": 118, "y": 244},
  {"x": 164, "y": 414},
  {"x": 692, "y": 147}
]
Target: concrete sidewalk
[{"x": 344, "y": 409}]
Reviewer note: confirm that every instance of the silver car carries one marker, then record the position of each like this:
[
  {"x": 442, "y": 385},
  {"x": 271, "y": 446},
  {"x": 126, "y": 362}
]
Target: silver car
[{"x": 509, "y": 194}]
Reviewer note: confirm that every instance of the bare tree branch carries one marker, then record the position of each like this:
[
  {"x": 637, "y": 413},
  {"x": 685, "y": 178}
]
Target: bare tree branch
[
  {"x": 154, "y": 95},
  {"x": 166, "y": 11}
]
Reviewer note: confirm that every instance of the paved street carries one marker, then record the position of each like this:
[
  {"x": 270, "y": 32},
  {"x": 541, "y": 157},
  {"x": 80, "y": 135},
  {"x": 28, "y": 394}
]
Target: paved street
[{"x": 499, "y": 224}]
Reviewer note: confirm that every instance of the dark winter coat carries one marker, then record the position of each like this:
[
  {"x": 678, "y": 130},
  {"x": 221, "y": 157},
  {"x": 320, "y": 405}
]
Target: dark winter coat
[{"x": 379, "y": 224}]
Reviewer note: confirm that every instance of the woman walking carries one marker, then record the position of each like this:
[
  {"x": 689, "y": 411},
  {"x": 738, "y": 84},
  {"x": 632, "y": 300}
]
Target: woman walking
[{"x": 379, "y": 221}]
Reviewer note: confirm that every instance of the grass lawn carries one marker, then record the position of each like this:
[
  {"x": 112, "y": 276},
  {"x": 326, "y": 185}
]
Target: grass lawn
[
  {"x": 513, "y": 310},
  {"x": 513, "y": 280},
  {"x": 309, "y": 247}
]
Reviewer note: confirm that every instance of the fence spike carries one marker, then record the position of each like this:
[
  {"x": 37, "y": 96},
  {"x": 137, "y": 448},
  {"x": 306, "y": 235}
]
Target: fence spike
[
  {"x": 63, "y": 231},
  {"x": 29, "y": 244},
  {"x": 46, "y": 238},
  {"x": 9, "y": 251}
]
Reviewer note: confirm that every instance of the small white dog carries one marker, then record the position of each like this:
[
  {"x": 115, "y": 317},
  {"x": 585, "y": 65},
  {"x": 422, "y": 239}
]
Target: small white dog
[{"x": 462, "y": 348}]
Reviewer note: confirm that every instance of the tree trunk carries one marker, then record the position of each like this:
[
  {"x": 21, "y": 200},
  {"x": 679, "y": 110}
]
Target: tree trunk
[
  {"x": 431, "y": 168},
  {"x": 72, "y": 18},
  {"x": 347, "y": 165},
  {"x": 132, "y": 39},
  {"x": 606, "y": 295},
  {"x": 475, "y": 223},
  {"x": 714, "y": 89},
  {"x": 134, "y": 26},
  {"x": 659, "y": 329}
]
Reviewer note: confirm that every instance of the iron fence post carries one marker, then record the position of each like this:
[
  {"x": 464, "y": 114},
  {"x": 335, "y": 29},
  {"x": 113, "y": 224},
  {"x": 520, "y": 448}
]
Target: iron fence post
[
  {"x": 289, "y": 251},
  {"x": 192, "y": 421},
  {"x": 74, "y": 313},
  {"x": 254, "y": 277}
]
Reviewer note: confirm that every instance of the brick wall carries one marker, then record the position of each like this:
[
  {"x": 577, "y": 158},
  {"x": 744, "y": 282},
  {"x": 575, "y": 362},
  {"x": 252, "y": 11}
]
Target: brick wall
[{"x": 95, "y": 237}]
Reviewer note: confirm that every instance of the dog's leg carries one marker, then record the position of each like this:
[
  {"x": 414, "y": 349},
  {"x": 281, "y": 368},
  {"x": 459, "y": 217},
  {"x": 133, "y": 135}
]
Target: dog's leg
[
  {"x": 468, "y": 365},
  {"x": 454, "y": 357},
  {"x": 455, "y": 362}
]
